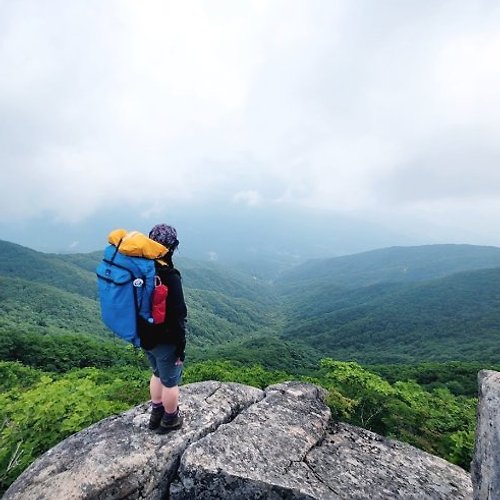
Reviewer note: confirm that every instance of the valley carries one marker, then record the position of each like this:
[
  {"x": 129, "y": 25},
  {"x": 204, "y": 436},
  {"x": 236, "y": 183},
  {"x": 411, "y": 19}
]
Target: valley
[{"x": 399, "y": 332}]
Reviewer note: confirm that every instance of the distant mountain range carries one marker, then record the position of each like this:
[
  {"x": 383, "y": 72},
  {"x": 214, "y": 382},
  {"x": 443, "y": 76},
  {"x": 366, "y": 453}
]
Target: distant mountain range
[
  {"x": 394, "y": 264},
  {"x": 394, "y": 305},
  {"x": 400, "y": 304},
  {"x": 57, "y": 293}
]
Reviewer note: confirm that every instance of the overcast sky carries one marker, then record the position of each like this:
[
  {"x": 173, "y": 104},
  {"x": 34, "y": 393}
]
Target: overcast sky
[{"x": 384, "y": 110}]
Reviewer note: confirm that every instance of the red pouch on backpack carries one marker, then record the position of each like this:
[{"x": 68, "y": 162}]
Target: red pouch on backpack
[{"x": 159, "y": 302}]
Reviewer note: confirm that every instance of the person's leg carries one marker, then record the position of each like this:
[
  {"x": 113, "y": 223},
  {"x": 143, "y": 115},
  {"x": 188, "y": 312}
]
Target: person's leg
[
  {"x": 171, "y": 419},
  {"x": 170, "y": 398},
  {"x": 170, "y": 376},
  {"x": 156, "y": 389},
  {"x": 159, "y": 393}
]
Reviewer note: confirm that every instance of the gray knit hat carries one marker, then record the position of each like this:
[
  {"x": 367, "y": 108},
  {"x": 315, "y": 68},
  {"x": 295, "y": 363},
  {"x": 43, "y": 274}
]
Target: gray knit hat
[{"x": 164, "y": 234}]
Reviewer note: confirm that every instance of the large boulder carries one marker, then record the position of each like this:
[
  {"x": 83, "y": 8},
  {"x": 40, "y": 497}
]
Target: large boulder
[
  {"x": 485, "y": 466},
  {"x": 285, "y": 446},
  {"x": 356, "y": 463},
  {"x": 120, "y": 458},
  {"x": 238, "y": 442},
  {"x": 260, "y": 454}
]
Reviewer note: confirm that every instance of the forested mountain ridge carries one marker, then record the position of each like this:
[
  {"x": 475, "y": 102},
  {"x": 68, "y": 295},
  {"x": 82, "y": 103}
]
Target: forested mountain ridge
[
  {"x": 395, "y": 305},
  {"x": 390, "y": 265},
  {"x": 44, "y": 308},
  {"x": 17, "y": 261},
  {"x": 450, "y": 318},
  {"x": 57, "y": 294}
]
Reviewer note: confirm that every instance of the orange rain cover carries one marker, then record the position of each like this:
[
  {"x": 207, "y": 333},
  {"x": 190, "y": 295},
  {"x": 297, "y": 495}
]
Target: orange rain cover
[{"x": 136, "y": 244}]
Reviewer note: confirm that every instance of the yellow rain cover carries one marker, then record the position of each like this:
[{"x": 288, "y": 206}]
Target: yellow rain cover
[{"x": 136, "y": 244}]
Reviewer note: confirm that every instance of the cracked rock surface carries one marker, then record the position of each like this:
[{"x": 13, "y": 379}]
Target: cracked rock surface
[
  {"x": 241, "y": 443},
  {"x": 120, "y": 458},
  {"x": 285, "y": 446},
  {"x": 357, "y": 464},
  {"x": 486, "y": 463},
  {"x": 260, "y": 454}
]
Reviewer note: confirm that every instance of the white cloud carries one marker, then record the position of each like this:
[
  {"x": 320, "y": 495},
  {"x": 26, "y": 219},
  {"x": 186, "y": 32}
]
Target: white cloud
[
  {"x": 250, "y": 197},
  {"x": 362, "y": 107}
]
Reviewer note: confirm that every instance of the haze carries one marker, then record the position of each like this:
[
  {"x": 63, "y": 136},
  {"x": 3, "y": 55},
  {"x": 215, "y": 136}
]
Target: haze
[{"x": 347, "y": 124}]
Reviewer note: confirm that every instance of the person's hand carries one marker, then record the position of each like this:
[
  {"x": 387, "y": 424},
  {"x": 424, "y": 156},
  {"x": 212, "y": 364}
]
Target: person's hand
[{"x": 178, "y": 362}]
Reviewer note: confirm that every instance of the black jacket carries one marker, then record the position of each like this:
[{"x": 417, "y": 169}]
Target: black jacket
[{"x": 173, "y": 331}]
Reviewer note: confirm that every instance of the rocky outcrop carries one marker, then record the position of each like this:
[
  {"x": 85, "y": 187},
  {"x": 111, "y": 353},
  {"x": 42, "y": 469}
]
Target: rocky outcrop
[
  {"x": 120, "y": 458},
  {"x": 260, "y": 454},
  {"x": 286, "y": 447},
  {"x": 485, "y": 466},
  {"x": 356, "y": 463},
  {"x": 238, "y": 442}
]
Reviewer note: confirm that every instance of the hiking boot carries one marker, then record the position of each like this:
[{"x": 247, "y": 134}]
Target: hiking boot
[
  {"x": 168, "y": 424},
  {"x": 155, "y": 417}
]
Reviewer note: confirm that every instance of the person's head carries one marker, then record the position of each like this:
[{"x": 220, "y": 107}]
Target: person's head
[{"x": 166, "y": 235}]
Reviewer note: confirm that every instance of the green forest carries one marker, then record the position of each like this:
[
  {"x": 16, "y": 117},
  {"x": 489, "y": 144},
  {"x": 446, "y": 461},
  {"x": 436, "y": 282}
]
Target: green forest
[{"x": 397, "y": 350}]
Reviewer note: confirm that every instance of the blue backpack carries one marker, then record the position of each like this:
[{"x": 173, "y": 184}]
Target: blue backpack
[{"x": 125, "y": 287}]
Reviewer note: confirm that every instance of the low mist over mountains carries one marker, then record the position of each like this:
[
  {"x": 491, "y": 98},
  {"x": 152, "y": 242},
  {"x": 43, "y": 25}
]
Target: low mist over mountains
[
  {"x": 228, "y": 233},
  {"x": 393, "y": 305}
]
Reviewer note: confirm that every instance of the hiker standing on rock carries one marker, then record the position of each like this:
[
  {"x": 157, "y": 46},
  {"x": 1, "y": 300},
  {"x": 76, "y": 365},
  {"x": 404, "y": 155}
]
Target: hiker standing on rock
[{"x": 164, "y": 343}]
